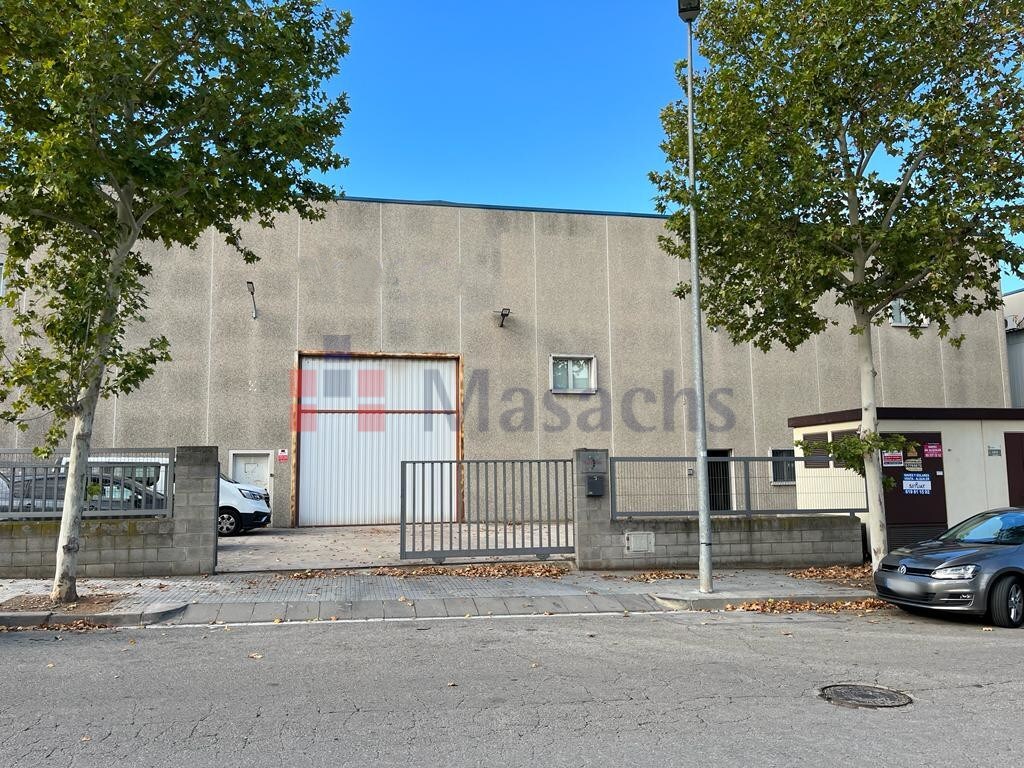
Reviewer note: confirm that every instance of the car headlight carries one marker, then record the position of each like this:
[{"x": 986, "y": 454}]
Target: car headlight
[
  {"x": 955, "y": 572},
  {"x": 251, "y": 494}
]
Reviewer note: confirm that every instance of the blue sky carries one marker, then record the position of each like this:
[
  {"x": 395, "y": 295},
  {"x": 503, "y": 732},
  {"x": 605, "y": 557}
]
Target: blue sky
[{"x": 552, "y": 104}]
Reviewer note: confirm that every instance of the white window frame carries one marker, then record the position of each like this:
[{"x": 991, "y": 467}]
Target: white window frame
[
  {"x": 781, "y": 459},
  {"x": 898, "y": 319},
  {"x": 591, "y": 359}
]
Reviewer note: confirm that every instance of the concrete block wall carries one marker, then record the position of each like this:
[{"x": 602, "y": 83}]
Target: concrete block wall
[
  {"x": 766, "y": 541},
  {"x": 184, "y": 544}
]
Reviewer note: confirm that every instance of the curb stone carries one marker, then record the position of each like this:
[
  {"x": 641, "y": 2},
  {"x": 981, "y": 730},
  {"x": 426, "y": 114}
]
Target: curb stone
[
  {"x": 679, "y": 603},
  {"x": 150, "y": 615}
]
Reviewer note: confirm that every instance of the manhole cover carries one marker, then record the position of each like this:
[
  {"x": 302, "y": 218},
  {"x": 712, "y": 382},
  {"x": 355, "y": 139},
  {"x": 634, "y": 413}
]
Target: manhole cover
[{"x": 869, "y": 696}]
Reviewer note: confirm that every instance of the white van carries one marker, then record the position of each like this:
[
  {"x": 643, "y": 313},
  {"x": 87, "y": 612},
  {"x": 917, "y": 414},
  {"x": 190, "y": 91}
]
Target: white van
[{"x": 242, "y": 507}]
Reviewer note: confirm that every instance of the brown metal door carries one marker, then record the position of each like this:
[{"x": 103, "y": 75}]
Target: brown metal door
[
  {"x": 1015, "y": 467},
  {"x": 915, "y": 504}
]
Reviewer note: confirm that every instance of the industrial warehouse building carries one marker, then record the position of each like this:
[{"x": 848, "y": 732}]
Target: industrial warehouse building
[{"x": 394, "y": 330}]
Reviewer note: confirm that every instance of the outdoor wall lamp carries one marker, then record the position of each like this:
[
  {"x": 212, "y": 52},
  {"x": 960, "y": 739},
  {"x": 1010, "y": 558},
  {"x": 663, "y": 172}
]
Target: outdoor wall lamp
[
  {"x": 252, "y": 292},
  {"x": 503, "y": 313}
]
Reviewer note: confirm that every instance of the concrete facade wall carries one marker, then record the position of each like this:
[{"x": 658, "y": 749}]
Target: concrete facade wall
[
  {"x": 398, "y": 277},
  {"x": 775, "y": 541},
  {"x": 184, "y": 544},
  {"x": 1015, "y": 366}
]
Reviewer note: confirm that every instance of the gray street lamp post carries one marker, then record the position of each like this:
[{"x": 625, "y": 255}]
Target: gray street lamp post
[{"x": 688, "y": 10}]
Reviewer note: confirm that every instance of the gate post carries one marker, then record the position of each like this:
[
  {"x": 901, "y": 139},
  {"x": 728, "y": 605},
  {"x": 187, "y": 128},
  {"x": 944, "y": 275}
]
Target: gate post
[{"x": 593, "y": 509}]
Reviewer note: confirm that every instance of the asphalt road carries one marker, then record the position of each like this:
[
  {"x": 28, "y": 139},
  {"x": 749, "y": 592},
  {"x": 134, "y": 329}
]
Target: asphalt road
[{"x": 665, "y": 690}]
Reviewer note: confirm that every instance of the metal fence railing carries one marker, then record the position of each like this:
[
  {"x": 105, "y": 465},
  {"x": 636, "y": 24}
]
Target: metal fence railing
[
  {"x": 737, "y": 485},
  {"x": 478, "y": 508},
  {"x": 123, "y": 482}
]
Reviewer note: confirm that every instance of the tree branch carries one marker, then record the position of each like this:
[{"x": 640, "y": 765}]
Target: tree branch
[
  {"x": 156, "y": 207},
  {"x": 172, "y": 56},
  {"x": 898, "y": 197},
  {"x": 913, "y": 282},
  {"x": 865, "y": 159},
  {"x": 85, "y": 230}
]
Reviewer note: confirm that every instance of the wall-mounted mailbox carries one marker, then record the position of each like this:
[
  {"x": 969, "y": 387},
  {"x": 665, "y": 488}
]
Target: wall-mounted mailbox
[{"x": 595, "y": 485}]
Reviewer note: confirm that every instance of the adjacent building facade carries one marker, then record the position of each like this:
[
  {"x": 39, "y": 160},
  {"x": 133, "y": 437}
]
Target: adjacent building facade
[{"x": 393, "y": 330}]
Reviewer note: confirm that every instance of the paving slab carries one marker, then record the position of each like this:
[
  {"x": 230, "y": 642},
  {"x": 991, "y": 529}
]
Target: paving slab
[
  {"x": 368, "y": 609},
  {"x": 234, "y": 613},
  {"x": 492, "y": 606},
  {"x": 269, "y": 611},
  {"x": 638, "y": 603},
  {"x": 301, "y": 611},
  {"x": 429, "y": 608},
  {"x": 577, "y": 604},
  {"x": 545, "y": 604},
  {"x": 334, "y": 610},
  {"x": 198, "y": 613},
  {"x": 460, "y": 606},
  {"x": 606, "y": 603},
  {"x": 399, "y": 609}
]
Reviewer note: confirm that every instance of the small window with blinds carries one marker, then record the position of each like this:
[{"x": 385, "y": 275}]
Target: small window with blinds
[
  {"x": 837, "y": 436},
  {"x": 817, "y": 458}
]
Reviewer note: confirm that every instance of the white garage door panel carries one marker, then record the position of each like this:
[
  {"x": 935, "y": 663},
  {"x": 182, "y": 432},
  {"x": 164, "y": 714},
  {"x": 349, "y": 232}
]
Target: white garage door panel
[
  {"x": 349, "y": 463},
  {"x": 409, "y": 384}
]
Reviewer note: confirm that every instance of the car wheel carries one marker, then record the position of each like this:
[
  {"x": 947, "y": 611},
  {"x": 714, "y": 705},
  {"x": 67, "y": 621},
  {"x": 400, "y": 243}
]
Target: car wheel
[
  {"x": 1006, "y": 602},
  {"x": 228, "y": 523}
]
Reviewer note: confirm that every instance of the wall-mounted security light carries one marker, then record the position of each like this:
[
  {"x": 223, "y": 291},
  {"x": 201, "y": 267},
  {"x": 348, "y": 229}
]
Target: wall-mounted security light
[
  {"x": 503, "y": 314},
  {"x": 252, "y": 292}
]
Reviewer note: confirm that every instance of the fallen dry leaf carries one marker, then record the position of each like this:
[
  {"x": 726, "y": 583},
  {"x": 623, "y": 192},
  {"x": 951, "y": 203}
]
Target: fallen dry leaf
[
  {"x": 652, "y": 576},
  {"x": 867, "y": 605},
  {"x": 318, "y": 574},
  {"x": 846, "y": 575},
  {"x": 478, "y": 570}
]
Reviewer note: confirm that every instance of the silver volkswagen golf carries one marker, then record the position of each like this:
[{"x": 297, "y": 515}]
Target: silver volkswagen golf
[{"x": 975, "y": 567}]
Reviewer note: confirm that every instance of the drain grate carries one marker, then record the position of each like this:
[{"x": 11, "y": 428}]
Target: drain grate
[{"x": 864, "y": 696}]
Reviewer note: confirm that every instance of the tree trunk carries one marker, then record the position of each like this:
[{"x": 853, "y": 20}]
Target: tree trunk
[
  {"x": 877, "y": 539},
  {"x": 65, "y": 586}
]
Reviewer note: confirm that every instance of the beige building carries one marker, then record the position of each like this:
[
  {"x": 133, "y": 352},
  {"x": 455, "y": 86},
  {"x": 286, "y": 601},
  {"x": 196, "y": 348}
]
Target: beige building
[
  {"x": 961, "y": 461},
  {"x": 407, "y": 301}
]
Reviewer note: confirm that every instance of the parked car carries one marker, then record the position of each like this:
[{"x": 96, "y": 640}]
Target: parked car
[
  {"x": 242, "y": 507},
  {"x": 35, "y": 491},
  {"x": 976, "y": 567}
]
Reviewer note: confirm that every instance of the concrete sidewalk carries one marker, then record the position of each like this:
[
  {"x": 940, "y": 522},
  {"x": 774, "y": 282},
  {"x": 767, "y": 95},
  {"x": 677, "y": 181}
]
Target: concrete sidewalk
[{"x": 265, "y": 597}]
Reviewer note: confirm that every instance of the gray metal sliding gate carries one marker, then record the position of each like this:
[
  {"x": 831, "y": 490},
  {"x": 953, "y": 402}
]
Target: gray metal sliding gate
[{"x": 486, "y": 508}]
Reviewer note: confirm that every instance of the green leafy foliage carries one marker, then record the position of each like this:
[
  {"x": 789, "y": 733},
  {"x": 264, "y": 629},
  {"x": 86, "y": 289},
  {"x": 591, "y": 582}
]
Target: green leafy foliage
[
  {"x": 127, "y": 121},
  {"x": 851, "y": 451},
  {"x": 851, "y": 153}
]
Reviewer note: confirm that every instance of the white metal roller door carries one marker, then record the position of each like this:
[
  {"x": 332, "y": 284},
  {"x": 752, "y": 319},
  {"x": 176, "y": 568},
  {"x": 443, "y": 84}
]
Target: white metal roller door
[{"x": 360, "y": 418}]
